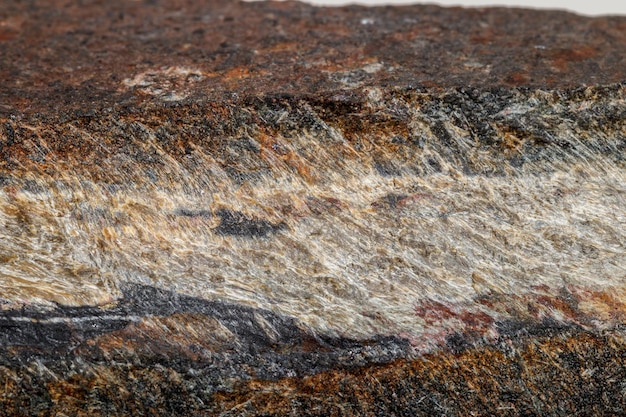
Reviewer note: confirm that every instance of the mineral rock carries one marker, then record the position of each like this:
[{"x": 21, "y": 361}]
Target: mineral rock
[{"x": 255, "y": 209}]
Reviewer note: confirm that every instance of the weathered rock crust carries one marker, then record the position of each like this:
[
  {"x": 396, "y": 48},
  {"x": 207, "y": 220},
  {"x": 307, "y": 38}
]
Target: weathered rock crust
[{"x": 226, "y": 208}]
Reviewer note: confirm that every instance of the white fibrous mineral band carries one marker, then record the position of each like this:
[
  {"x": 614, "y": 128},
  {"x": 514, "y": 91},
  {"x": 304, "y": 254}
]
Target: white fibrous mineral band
[{"x": 346, "y": 247}]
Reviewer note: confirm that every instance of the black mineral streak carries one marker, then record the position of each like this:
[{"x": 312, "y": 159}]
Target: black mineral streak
[
  {"x": 371, "y": 376},
  {"x": 193, "y": 213},
  {"x": 234, "y": 223},
  {"x": 62, "y": 335}
]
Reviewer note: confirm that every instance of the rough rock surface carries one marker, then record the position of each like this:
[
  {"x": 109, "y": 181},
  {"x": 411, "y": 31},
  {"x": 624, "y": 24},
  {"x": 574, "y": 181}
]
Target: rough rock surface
[{"x": 226, "y": 208}]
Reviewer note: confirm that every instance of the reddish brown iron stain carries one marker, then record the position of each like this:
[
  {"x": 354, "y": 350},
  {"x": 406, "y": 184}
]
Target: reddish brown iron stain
[
  {"x": 558, "y": 304},
  {"x": 6, "y": 35},
  {"x": 543, "y": 303},
  {"x": 517, "y": 78},
  {"x": 476, "y": 320},
  {"x": 89, "y": 50},
  {"x": 433, "y": 312},
  {"x": 565, "y": 58}
]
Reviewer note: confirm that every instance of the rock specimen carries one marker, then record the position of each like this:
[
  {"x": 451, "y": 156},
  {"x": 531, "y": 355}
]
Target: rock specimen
[{"x": 246, "y": 209}]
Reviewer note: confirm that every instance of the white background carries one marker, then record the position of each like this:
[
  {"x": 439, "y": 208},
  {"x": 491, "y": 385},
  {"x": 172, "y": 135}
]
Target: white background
[{"x": 589, "y": 7}]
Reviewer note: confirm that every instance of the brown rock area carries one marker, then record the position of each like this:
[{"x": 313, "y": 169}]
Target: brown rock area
[{"x": 270, "y": 209}]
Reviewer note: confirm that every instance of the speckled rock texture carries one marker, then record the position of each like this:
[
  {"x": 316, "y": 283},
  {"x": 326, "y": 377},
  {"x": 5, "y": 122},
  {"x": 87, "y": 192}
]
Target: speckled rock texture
[{"x": 218, "y": 208}]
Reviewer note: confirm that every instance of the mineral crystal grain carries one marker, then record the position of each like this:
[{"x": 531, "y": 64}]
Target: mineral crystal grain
[{"x": 270, "y": 209}]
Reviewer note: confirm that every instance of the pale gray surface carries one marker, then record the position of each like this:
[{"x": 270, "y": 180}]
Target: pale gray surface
[{"x": 599, "y": 7}]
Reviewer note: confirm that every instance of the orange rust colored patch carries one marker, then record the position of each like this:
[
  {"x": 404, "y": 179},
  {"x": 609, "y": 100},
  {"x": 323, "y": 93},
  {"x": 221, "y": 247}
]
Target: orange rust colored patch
[
  {"x": 602, "y": 304},
  {"x": 541, "y": 375}
]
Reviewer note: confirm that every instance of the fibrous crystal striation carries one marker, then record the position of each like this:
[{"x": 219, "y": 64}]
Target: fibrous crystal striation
[{"x": 273, "y": 208}]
